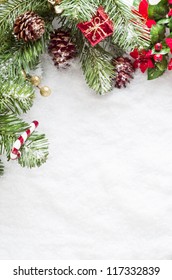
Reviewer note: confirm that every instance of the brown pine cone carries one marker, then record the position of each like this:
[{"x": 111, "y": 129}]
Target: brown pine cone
[
  {"x": 124, "y": 71},
  {"x": 29, "y": 27},
  {"x": 61, "y": 48}
]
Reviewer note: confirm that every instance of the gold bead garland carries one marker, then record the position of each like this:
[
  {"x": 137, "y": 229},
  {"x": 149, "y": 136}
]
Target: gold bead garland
[
  {"x": 36, "y": 81},
  {"x": 44, "y": 91}
]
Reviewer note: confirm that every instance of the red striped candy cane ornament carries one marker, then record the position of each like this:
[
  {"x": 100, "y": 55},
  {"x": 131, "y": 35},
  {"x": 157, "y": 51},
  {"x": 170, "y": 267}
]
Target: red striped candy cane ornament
[{"x": 15, "y": 153}]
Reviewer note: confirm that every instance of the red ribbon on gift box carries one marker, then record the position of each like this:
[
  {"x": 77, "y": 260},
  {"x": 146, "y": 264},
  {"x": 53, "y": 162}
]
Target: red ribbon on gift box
[{"x": 98, "y": 28}]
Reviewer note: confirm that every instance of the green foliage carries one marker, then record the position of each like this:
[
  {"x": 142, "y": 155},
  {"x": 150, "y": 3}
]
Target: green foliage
[
  {"x": 154, "y": 73},
  {"x": 23, "y": 55},
  {"x": 158, "y": 70},
  {"x": 16, "y": 54},
  {"x": 163, "y": 21},
  {"x": 170, "y": 24},
  {"x": 97, "y": 68},
  {"x": 11, "y": 9},
  {"x": 16, "y": 95},
  {"x": 162, "y": 66},
  {"x": 33, "y": 153},
  {"x": 165, "y": 50},
  {"x": 79, "y": 10},
  {"x": 130, "y": 32},
  {"x": 157, "y": 33},
  {"x": 159, "y": 10}
]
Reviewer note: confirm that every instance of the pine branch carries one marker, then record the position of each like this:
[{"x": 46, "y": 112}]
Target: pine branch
[
  {"x": 97, "y": 68},
  {"x": 33, "y": 153},
  {"x": 10, "y": 10},
  {"x": 130, "y": 31},
  {"x": 15, "y": 96},
  {"x": 6, "y": 41},
  {"x": 96, "y": 61},
  {"x": 78, "y": 10},
  {"x": 10, "y": 128},
  {"x": 18, "y": 55},
  {"x": 21, "y": 55}
]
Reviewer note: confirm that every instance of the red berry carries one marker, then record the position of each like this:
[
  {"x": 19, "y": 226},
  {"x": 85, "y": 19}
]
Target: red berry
[
  {"x": 158, "y": 47},
  {"x": 158, "y": 57}
]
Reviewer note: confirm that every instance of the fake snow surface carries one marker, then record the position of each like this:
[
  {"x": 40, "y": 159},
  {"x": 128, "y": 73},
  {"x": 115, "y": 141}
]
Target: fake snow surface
[{"x": 106, "y": 189}]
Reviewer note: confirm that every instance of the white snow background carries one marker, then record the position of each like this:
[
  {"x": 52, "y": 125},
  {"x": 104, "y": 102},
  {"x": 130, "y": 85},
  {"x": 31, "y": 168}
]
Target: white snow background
[{"x": 106, "y": 189}]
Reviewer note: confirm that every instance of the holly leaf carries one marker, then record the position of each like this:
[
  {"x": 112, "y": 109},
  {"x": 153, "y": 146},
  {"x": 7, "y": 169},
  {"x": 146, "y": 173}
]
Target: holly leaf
[
  {"x": 159, "y": 10},
  {"x": 170, "y": 23},
  {"x": 157, "y": 33},
  {"x": 162, "y": 66},
  {"x": 154, "y": 73},
  {"x": 165, "y": 50},
  {"x": 163, "y": 21}
]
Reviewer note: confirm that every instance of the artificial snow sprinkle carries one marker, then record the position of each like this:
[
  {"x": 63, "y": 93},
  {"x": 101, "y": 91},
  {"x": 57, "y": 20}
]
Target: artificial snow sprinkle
[{"x": 15, "y": 153}]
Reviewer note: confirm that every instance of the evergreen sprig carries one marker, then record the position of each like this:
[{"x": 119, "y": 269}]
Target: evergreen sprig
[
  {"x": 130, "y": 31},
  {"x": 78, "y": 10},
  {"x": 16, "y": 96},
  {"x": 97, "y": 68},
  {"x": 11, "y": 9},
  {"x": 23, "y": 56},
  {"x": 33, "y": 153},
  {"x": 16, "y": 93}
]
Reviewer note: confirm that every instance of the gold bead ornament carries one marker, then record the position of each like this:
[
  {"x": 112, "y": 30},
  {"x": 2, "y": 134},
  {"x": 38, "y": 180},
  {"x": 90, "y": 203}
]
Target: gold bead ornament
[
  {"x": 35, "y": 80},
  {"x": 45, "y": 91}
]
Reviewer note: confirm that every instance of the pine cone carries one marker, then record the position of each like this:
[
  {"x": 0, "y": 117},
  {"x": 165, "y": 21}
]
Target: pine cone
[
  {"x": 29, "y": 27},
  {"x": 61, "y": 48},
  {"x": 124, "y": 71}
]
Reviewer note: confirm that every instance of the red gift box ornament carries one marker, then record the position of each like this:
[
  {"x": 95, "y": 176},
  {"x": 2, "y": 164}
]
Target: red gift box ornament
[{"x": 98, "y": 28}]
